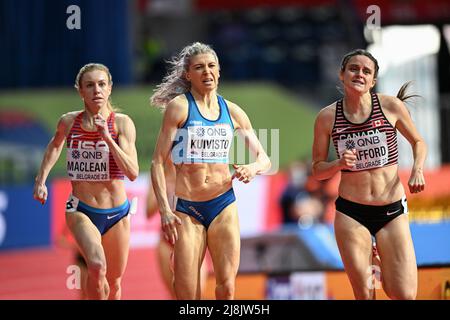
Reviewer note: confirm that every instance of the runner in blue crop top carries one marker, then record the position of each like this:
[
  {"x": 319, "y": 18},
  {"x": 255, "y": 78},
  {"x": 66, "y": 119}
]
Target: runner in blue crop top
[
  {"x": 201, "y": 140},
  {"x": 202, "y": 124}
]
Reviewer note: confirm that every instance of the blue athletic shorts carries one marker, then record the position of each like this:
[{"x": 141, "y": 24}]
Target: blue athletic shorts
[
  {"x": 103, "y": 219},
  {"x": 206, "y": 211}
]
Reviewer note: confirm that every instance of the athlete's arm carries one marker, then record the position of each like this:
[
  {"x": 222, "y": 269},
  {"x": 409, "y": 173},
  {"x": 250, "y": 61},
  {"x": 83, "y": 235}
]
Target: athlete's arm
[
  {"x": 244, "y": 128},
  {"x": 174, "y": 115},
  {"x": 321, "y": 168},
  {"x": 51, "y": 155},
  {"x": 152, "y": 203},
  {"x": 169, "y": 177},
  {"x": 124, "y": 153},
  {"x": 405, "y": 125}
]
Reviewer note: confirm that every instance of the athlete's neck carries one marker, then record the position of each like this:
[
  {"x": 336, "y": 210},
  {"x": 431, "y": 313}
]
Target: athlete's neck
[
  {"x": 103, "y": 111},
  {"x": 205, "y": 99},
  {"x": 356, "y": 103},
  {"x": 89, "y": 115}
]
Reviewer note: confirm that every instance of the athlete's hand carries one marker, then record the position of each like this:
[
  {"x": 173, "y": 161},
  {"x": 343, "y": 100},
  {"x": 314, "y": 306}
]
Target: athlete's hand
[
  {"x": 102, "y": 126},
  {"x": 244, "y": 173},
  {"x": 169, "y": 223},
  {"x": 40, "y": 192},
  {"x": 416, "y": 181},
  {"x": 348, "y": 159}
]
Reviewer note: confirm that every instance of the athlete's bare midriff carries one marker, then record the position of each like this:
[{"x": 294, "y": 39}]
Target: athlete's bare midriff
[
  {"x": 379, "y": 186},
  {"x": 202, "y": 181},
  {"x": 102, "y": 195}
]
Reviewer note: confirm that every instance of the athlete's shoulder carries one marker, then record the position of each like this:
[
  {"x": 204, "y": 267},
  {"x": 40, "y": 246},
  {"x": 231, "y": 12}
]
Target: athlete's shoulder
[
  {"x": 122, "y": 117},
  {"x": 327, "y": 112},
  {"x": 179, "y": 103},
  {"x": 68, "y": 118},
  {"x": 235, "y": 109},
  {"x": 231, "y": 104},
  {"x": 71, "y": 115},
  {"x": 390, "y": 103},
  {"x": 66, "y": 121},
  {"x": 177, "y": 110},
  {"x": 239, "y": 117},
  {"x": 123, "y": 121},
  {"x": 180, "y": 99}
]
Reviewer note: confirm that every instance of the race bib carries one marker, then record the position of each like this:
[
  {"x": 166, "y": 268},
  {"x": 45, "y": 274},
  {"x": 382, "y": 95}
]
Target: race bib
[
  {"x": 371, "y": 148},
  {"x": 209, "y": 143},
  {"x": 88, "y": 162}
]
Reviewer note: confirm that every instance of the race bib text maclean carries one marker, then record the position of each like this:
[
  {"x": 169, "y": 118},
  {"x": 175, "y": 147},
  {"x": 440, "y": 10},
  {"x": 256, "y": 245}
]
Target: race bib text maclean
[{"x": 88, "y": 162}]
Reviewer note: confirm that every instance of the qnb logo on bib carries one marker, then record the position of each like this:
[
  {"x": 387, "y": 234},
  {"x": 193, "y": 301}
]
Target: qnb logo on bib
[
  {"x": 371, "y": 148},
  {"x": 88, "y": 160}
]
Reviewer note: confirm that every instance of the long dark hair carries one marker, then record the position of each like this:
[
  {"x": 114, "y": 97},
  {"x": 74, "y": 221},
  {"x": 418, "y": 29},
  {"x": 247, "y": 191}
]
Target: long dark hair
[{"x": 402, "y": 92}]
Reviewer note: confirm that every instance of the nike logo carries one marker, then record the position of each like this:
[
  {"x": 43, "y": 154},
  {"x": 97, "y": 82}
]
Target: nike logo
[
  {"x": 113, "y": 216},
  {"x": 340, "y": 130},
  {"x": 391, "y": 213},
  {"x": 76, "y": 136}
]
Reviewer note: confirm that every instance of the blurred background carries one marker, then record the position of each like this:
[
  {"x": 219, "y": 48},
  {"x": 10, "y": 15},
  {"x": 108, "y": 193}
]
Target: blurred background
[{"x": 279, "y": 61}]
